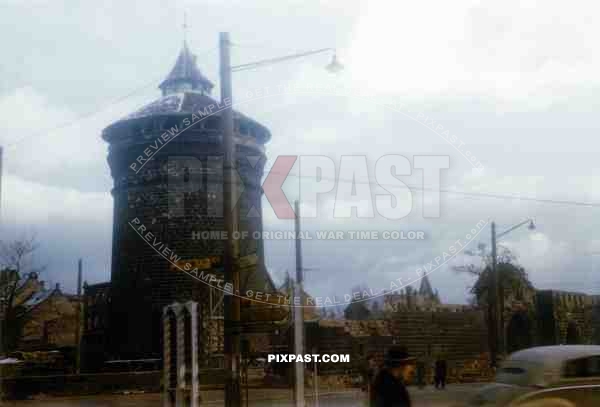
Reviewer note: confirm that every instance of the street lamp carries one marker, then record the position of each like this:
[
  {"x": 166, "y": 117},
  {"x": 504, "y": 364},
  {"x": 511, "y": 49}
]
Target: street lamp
[
  {"x": 334, "y": 66},
  {"x": 231, "y": 214},
  {"x": 498, "y": 335}
]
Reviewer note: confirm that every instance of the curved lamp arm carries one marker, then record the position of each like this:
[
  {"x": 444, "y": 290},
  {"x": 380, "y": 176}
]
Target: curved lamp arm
[
  {"x": 518, "y": 225},
  {"x": 271, "y": 61}
]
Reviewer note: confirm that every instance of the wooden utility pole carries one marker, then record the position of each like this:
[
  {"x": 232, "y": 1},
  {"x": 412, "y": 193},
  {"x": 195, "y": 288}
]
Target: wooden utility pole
[
  {"x": 495, "y": 301},
  {"x": 2, "y": 292},
  {"x": 78, "y": 316},
  {"x": 1, "y": 173},
  {"x": 315, "y": 379},
  {"x": 298, "y": 315},
  {"x": 231, "y": 220}
]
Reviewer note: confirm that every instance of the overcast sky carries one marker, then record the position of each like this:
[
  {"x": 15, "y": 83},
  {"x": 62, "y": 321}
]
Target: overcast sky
[{"x": 516, "y": 81}]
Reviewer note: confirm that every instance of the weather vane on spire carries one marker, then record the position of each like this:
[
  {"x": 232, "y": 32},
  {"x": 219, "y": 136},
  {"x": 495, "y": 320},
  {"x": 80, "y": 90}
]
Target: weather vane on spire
[{"x": 185, "y": 27}]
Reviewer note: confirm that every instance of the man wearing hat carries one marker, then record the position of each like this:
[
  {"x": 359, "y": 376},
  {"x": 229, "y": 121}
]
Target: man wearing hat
[{"x": 388, "y": 388}]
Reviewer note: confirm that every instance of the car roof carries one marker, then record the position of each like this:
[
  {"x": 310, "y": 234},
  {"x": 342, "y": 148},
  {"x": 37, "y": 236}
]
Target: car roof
[{"x": 555, "y": 354}]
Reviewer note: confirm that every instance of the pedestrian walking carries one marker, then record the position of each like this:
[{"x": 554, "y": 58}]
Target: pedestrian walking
[
  {"x": 389, "y": 389},
  {"x": 441, "y": 369},
  {"x": 370, "y": 373}
]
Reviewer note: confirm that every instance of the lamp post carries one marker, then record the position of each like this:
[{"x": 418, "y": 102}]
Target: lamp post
[
  {"x": 231, "y": 212},
  {"x": 498, "y": 291}
]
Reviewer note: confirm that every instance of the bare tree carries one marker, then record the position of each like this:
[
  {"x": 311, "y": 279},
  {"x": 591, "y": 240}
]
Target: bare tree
[{"x": 16, "y": 259}]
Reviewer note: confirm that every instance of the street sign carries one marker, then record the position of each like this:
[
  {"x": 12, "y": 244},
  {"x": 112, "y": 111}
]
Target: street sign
[
  {"x": 205, "y": 263},
  {"x": 213, "y": 262},
  {"x": 249, "y": 260}
]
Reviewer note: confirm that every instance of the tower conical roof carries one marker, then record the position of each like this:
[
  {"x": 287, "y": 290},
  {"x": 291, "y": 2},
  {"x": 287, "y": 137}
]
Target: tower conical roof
[
  {"x": 185, "y": 75},
  {"x": 425, "y": 289},
  {"x": 186, "y": 91}
]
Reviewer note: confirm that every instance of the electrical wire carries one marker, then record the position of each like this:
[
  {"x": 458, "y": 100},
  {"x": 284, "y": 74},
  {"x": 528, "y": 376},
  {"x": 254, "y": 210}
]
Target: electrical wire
[
  {"x": 466, "y": 194},
  {"x": 93, "y": 112},
  {"x": 86, "y": 115}
]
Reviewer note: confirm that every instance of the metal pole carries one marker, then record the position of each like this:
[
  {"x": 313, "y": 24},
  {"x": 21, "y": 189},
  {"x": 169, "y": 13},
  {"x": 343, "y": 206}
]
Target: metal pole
[
  {"x": 78, "y": 322},
  {"x": 1, "y": 171},
  {"x": 231, "y": 220},
  {"x": 256, "y": 64},
  {"x": 298, "y": 315},
  {"x": 4, "y": 291},
  {"x": 518, "y": 225},
  {"x": 316, "y": 379},
  {"x": 495, "y": 332},
  {"x": 501, "y": 330},
  {"x": 299, "y": 268},
  {"x": 500, "y": 292}
]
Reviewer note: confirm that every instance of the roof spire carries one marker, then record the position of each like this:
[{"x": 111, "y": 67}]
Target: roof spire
[
  {"x": 185, "y": 27},
  {"x": 185, "y": 75},
  {"x": 425, "y": 289}
]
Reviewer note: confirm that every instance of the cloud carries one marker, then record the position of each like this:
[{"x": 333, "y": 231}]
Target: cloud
[
  {"x": 29, "y": 203},
  {"x": 525, "y": 54},
  {"x": 53, "y": 145},
  {"x": 69, "y": 224}
]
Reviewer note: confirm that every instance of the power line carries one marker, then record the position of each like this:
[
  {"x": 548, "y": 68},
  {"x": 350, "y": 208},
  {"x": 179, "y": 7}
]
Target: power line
[
  {"x": 411, "y": 187},
  {"x": 80, "y": 117},
  {"x": 95, "y": 111},
  {"x": 456, "y": 192},
  {"x": 264, "y": 46}
]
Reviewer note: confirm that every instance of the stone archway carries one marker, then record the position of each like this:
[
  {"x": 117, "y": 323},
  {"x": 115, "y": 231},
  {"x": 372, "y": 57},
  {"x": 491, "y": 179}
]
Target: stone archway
[
  {"x": 170, "y": 367},
  {"x": 187, "y": 354},
  {"x": 572, "y": 337},
  {"x": 180, "y": 358},
  {"x": 518, "y": 333}
]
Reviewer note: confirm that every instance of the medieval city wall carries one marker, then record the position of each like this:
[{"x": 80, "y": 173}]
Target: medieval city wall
[
  {"x": 459, "y": 337},
  {"x": 565, "y": 318}
]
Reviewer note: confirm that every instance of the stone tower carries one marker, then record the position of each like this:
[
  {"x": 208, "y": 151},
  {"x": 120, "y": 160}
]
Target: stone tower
[{"x": 166, "y": 163}]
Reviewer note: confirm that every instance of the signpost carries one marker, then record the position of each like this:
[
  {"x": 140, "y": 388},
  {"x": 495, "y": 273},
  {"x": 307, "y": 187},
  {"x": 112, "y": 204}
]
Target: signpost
[{"x": 213, "y": 263}]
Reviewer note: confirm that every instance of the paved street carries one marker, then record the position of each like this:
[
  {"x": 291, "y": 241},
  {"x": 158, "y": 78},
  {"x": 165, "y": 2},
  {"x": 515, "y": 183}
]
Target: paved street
[{"x": 259, "y": 398}]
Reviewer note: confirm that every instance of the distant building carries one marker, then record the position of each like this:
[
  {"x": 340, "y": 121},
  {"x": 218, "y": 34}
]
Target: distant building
[
  {"x": 28, "y": 285},
  {"x": 46, "y": 318},
  {"x": 425, "y": 298},
  {"x": 96, "y": 313},
  {"x": 49, "y": 320}
]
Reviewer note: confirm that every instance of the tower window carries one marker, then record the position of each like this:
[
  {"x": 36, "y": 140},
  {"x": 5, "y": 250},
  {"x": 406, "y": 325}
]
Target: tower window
[{"x": 212, "y": 123}]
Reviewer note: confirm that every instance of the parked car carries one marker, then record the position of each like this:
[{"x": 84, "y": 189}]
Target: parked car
[{"x": 547, "y": 376}]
